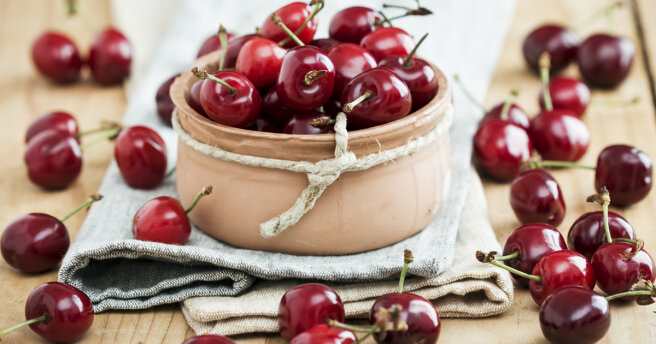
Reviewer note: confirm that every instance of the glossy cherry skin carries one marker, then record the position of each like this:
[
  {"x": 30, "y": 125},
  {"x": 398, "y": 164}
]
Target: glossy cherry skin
[
  {"x": 568, "y": 94},
  {"x": 419, "y": 76},
  {"x": 516, "y": 115},
  {"x": 265, "y": 125},
  {"x": 350, "y": 60},
  {"x": 587, "y": 233},
  {"x": 307, "y": 305},
  {"x": 163, "y": 220},
  {"x": 260, "y": 60},
  {"x": 353, "y": 23},
  {"x": 34, "y": 243},
  {"x": 322, "y": 334},
  {"x": 56, "y": 57},
  {"x": 208, "y": 339},
  {"x": 532, "y": 241},
  {"x": 324, "y": 44},
  {"x": 575, "y": 315},
  {"x": 535, "y": 196},
  {"x": 616, "y": 273},
  {"x": 234, "y": 46},
  {"x": 388, "y": 41},
  {"x": 500, "y": 148},
  {"x": 293, "y": 15},
  {"x": 140, "y": 154},
  {"x": 274, "y": 109},
  {"x": 53, "y": 159},
  {"x": 110, "y": 57},
  {"x": 561, "y": 44},
  {"x": 291, "y": 86},
  {"x": 239, "y": 109},
  {"x": 390, "y": 101},
  {"x": 69, "y": 310},
  {"x": 300, "y": 124},
  {"x": 605, "y": 60},
  {"x": 626, "y": 172},
  {"x": 559, "y": 135},
  {"x": 194, "y": 97},
  {"x": 419, "y": 314},
  {"x": 58, "y": 120},
  {"x": 559, "y": 269},
  {"x": 163, "y": 100},
  {"x": 212, "y": 43}
]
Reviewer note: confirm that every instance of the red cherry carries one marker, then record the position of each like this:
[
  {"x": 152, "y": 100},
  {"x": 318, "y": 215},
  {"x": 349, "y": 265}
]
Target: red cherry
[
  {"x": 605, "y": 60},
  {"x": 306, "y": 78},
  {"x": 417, "y": 74},
  {"x": 56, "y": 57},
  {"x": 587, "y": 233},
  {"x": 229, "y": 98},
  {"x": 375, "y": 97},
  {"x": 274, "y": 109},
  {"x": 265, "y": 125},
  {"x": 332, "y": 108},
  {"x": 324, "y": 44},
  {"x": 516, "y": 115},
  {"x": 208, "y": 339},
  {"x": 574, "y": 315},
  {"x": 322, "y": 334},
  {"x": 194, "y": 97},
  {"x": 559, "y": 269},
  {"x": 140, "y": 154},
  {"x": 388, "y": 41},
  {"x": 567, "y": 94},
  {"x": 163, "y": 100},
  {"x": 58, "y": 120},
  {"x": 559, "y": 42},
  {"x": 529, "y": 243},
  {"x": 559, "y": 135},
  {"x": 53, "y": 159},
  {"x": 301, "y": 124},
  {"x": 212, "y": 43},
  {"x": 234, "y": 46},
  {"x": 260, "y": 60},
  {"x": 418, "y": 313},
  {"x": 500, "y": 148},
  {"x": 353, "y": 23},
  {"x": 110, "y": 57},
  {"x": 626, "y": 172},
  {"x": 293, "y": 15},
  {"x": 350, "y": 60},
  {"x": 618, "y": 267},
  {"x": 307, "y": 305},
  {"x": 535, "y": 196}
]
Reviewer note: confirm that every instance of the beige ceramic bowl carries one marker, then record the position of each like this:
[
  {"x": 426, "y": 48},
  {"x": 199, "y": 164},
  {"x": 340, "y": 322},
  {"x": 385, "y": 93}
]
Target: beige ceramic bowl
[{"x": 361, "y": 211}]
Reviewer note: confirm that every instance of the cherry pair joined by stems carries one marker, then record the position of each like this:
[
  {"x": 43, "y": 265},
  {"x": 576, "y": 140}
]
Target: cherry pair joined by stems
[
  {"x": 140, "y": 154},
  {"x": 305, "y": 306},
  {"x": 535, "y": 196},
  {"x": 300, "y": 18},
  {"x": 208, "y": 339}
]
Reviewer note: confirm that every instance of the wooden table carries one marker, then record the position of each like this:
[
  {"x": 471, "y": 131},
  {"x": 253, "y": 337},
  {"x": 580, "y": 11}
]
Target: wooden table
[{"x": 23, "y": 97}]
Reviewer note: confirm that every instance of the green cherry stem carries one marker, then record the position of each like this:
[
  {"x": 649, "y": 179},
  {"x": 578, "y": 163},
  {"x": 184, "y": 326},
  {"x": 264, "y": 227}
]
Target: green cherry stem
[
  {"x": 348, "y": 107},
  {"x": 513, "y": 255},
  {"x": 507, "y": 104},
  {"x": 42, "y": 318},
  {"x": 398, "y": 7},
  {"x": 603, "y": 198},
  {"x": 554, "y": 163},
  {"x": 353, "y": 328},
  {"x": 202, "y": 74},
  {"x": 317, "y": 8},
  {"x": 170, "y": 172},
  {"x": 109, "y": 135},
  {"x": 223, "y": 38},
  {"x": 406, "y": 63},
  {"x": 468, "y": 94},
  {"x": 278, "y": 21},
  {"x": 596, "y": 101},
  {"x": 104, "y": 126},
  {"x": 545, "y": 65},
  {"x": 93, "y": 198},
  {"x": 407, "y": 259},
  {"x": 489, "y": 259},
  {"x": 626, "y": 240},
  {"x": 385, "y": 20},
  {"x": 630, "y": 293},
  {"x": 203, "y": 192}
]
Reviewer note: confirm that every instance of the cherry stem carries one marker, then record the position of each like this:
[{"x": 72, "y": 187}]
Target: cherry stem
[
  {"x": 507, "y": 104},
  {"x": 513, "y": 255},
  {"x": 407, "y": 259},
  {"x": 362, "y": 339},
  {"x": 26, "y": 323},
  {"x": 223, "y": 38},
  {"x": 545, "y": 65},
  {"x": 352, "y": 328},
  {"x": 385, "y": 20},
  {"x": 607, "y": 11},
  {"x": 203, "y": 192},
  {"x": 93, "y": 198},
  {"x": 203, "y": 74},
  {"x": 406, "y": 63},
  {"x": 468, "y": 94},
  {"x": 110, "y": 135},
  {"x": 630, "y": 293},
  {"x": 319, "y": 6},
  {"x": 104, "y": 126},
  {"x": 278, "y": 21},
  {"x": 348, "y": 107},
  {"x": 615, "y": 102},
  {"x": 323, "y": 121},
  {"x": 627, "y": 240},
  {"x": 554, "y": 163},
  {"x": 313, "y": 76},
  {"x": 489, "y": 258},
  {"x": 170, "y": 172}
]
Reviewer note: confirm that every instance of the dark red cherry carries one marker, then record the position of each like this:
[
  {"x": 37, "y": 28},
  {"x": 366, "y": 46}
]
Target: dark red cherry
[
  {"x": 140, "y": 154},
  {"x": 324, "y": 44},
  {"x": 626, "y": 172},
  {"x": 417, "y": 74},
  {"x": 500, "y": 148},
  {"x": 305, "y": 306},
  {"x": 561, "y": 44},
  {"x": 388, "y": 41},
  {"x": 110, "y": 57},
  {"x": 587, "y": 233},
  {"x": 559, "y": 135},
  {"x": 293, "y": 15},
  {"x": 535, "y": 196},
  {"x": 516, "y": 115},
  {"x": 531, "y": 242},
  {"x": 208, "y": 339},
  {"x": 568, "y": 94},
  {"x": 375, "y": 97},
  {"x": 56, "y": 57},
  {"x": 234, "y": 46},
  {"x": 618, "y": 266},
  {"x": 212, "y": 43},
  {"x": 350, "y": 60},
  {"x": 229, "y": 98},
  {"x": 163, "y": 100},
  {"x": 265, "y": 125},
  {"x": 418, "y": 313},
  {"x": 322, "y": 334},
  {"x": 353, "y": 23},
  {"x": 300, "y": 124},
  {"x": 306, "y": 78},
  {"x": 57, "y": 120},
  {"x": 605, "y": 60},
  {"x": 559, "y": 269},
  {"x": 274, "y": 109},
  {"x": 332, "y": 108},
  {"x": 260, "y": 60},
  {"x": 53, "y": 159},
  {"x": 194, "y": 97},
  {"x": 575, "y": 315}
]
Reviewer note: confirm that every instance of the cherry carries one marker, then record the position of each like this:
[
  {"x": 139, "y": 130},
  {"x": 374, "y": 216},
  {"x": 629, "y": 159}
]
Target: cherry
[
  {"x": 163, "y": 100},
  {"x": 229, "y": 98},
  {"x": 535, "y": 196},
  {"x": 53, "y": 159},
  {"x": 619, "y": 265},
  {"x": 305, "y": 306},
  {"x": 140, "y": 154},
  {"x": 57, "y": 120},
  {"x": 274, "y": 109},
  {"x": 567, "y": 94},
  {"x": 324, "y": 44},
  {"x": 587, "y": 233},
  {"x": 260, "y": 60},
  {"x": 332, "y": 108},
  {"x": 110, "y": 57},
  {"x": 194, "y": 97},
  {"x": 559, "y": 42},
  {"x": 163, "y": 220},
  {"x": 234, "y": 46},
  {"x": 212, "y": 43},
  {"x": 297, "y": 16},
  {"x": 605, "y": 60},
  {"x": 350, "y": 60},
  {"x": 57, "y": 312},
  {"x": 37, "y": 242},
  {"x": 265, "y": 125},
  {"x": 353, "y": 23},
  {"x": 500, "y": 147},
  {"x": 388, "y": 41},
  {"x": 306, "y": 78},
  {"x": 626, "y": 172},
  {"x": 375, "y": 97},
  {"x": 301, "y": 124},
  {"x": 208, "y": 339},
  {"x": 323, "y": 334},
  {"x": 527, "y": 244},
  {"x": 56, "y": 57},
  {"x": 574, "y": 315}
]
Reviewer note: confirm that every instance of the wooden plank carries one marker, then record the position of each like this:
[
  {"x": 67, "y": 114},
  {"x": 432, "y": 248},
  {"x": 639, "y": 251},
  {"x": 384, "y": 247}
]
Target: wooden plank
[{"x": 644, "y": 12}]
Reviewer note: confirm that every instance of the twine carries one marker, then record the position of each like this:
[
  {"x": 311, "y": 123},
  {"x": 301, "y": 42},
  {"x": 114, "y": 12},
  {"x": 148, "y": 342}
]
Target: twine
[{"x": 320, "y": 174}]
